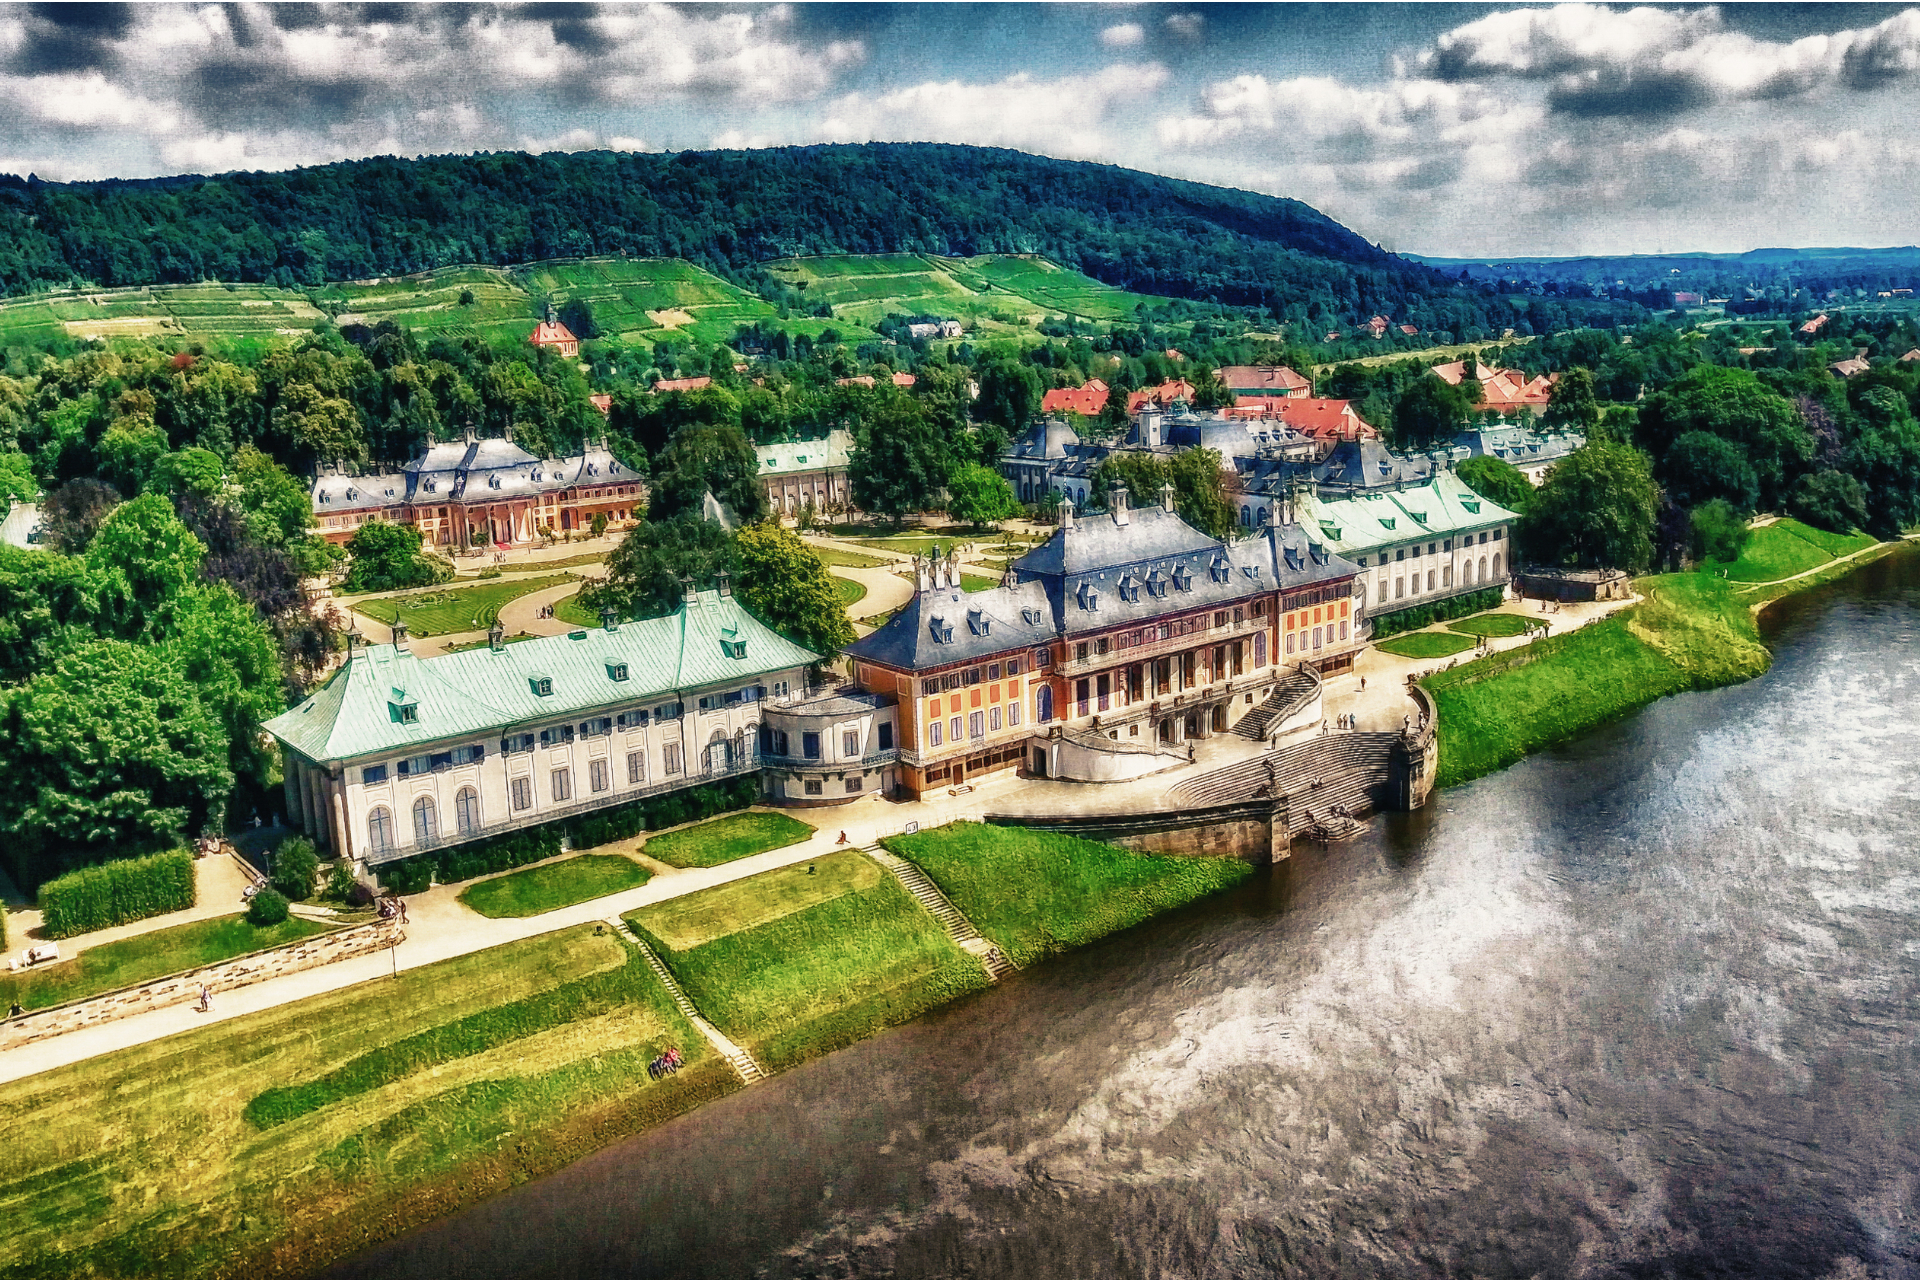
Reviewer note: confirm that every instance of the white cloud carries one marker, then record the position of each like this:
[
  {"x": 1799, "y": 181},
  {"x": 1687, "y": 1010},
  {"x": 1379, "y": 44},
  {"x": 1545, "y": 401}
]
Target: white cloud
[
  {"x": 1059, "y": 116},
  {"x": 88, "y": 100},
  {"x": 1186, "y": 25},
  {"x": 1123, "y": 36}
]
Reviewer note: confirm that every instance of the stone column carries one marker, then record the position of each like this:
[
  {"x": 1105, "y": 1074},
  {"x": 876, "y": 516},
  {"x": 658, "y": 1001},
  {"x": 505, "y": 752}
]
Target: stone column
[
  {"x": 311, "y": 816},
  {"x": 290, "y": 784},
  {"x": 343, "y": 836}
]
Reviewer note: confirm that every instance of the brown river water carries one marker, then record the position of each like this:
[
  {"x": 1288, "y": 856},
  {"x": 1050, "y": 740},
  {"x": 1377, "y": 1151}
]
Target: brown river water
[{"x": 1642, "y": 1006}]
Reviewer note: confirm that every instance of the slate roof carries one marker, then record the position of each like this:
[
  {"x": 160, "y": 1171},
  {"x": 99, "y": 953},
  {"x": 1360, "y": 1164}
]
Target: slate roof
[
  {"x": 482, "y": 691},
  {"x": 465, "y": 471},
  {"x": 1050, "y": 438},
  {"x": 1520, "y": 445}
]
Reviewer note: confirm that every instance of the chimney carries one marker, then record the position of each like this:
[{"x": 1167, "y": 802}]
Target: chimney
[
  {"x": 609, "y": 618},
  {"x": 355, "y": 641},
  {"x": 1117, "y": 504},
  {"x": 507, "y": 434},
  {"x": 1066, "y": 513},
  {"x": 687, "y": 592},
  {"x": 497, "y": 637},
  {"x": 468, "y": 433},
  {"x": 922, "y": 575},
  {"x": 726, "y": 584},
  {"x": 1166, "y": 495},
  {"x": 399, "y": 634}
]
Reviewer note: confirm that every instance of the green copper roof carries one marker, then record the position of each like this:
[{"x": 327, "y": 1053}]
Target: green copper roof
[
  {"x": 1442, "y": 507},
  {"x": 385, "y": 699}
]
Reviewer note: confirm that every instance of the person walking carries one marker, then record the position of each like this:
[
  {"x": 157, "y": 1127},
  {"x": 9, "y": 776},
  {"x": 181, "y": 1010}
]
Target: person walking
[{"x": 206, "y": 998}]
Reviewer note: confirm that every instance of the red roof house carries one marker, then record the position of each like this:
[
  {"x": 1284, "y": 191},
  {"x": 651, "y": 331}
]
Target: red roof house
[
  {"x": 551, "y": 333},
  {"x": 1163, "y": 395},
  {"x": 1378, "y": 326},
  {"x": 603, "y": 402},
  {"x": 904, "y": 379},
  {"x": 1327, "y": 421},
  {"x": 1263, "y": 380},
  {"x": 1814, "y": 325},
  {"x": 1409, "y": 330},
  {"x": 1087, "y": 400}
]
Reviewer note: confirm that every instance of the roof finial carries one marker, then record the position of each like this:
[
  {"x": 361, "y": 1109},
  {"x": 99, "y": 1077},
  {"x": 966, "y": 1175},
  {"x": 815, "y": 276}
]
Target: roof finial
[{"x": 399, "y": 634}]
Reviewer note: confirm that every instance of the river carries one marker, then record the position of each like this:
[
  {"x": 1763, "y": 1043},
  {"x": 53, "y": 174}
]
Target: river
[{"x": 1643, "y": 1006}]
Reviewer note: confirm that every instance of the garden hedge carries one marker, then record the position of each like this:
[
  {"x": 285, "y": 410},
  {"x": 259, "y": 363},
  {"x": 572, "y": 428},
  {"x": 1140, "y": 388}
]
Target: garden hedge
[
  {"x": 535, "y": 844},
  {"x": 1425, "y": 615},
  {"x": 117, "y": 892}
]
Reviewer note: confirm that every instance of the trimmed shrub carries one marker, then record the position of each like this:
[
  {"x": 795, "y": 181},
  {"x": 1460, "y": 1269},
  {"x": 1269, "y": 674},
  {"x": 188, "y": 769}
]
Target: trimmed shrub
[
  {"x": 117, "y": 892},
  {"x": 340, "y": 882},
  {"x": 295, "y": 864},
  {"x": 1425, "y": 615},
  {"x": 536, "y": 844},
  {"x": 267, "y": 908}
]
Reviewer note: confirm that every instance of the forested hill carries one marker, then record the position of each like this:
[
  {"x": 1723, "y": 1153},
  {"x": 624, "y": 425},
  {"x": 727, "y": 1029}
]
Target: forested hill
[{"x": 727, "y": 210}]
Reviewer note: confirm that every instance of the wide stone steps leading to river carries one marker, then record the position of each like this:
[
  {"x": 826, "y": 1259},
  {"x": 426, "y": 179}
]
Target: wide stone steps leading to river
[
  {"x": 1318, "y": 776},
  {"x": 941, "y": 908},
  {"x": 738, "y": 1058}
]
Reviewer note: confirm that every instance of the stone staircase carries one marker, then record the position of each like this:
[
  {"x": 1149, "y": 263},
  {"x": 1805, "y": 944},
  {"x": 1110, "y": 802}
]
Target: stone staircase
[
  {"x": 1288, "y": 697},
  {"x": 1317, "y": 776},
  {"x": 738, "y": 1058},
  {"x": 941, "y": 908}
]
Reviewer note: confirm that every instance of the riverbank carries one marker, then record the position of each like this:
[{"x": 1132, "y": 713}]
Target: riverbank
[
  {"x": 1689, "y": 631},
  {"x": 280, "y": 1141}
]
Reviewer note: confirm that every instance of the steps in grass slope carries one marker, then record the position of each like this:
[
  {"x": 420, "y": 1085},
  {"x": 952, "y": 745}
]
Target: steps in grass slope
[
  {"x": 941, "y": 908},
  {"x": 738, "y": 1058}
]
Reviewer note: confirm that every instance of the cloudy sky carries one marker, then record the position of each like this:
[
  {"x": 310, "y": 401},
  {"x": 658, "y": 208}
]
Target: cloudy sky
[{"x": 1457, "y": 130}]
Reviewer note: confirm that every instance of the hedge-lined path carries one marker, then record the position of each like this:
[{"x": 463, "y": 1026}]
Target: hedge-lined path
[{"x": 219, "y": 884}]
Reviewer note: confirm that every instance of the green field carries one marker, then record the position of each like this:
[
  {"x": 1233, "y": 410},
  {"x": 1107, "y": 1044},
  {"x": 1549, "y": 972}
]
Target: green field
[
  {"x": 975, "y": 582},
  {"x": 994, "y": 291},
  {"x": 178, "y": 310},
  {"x": 450, "y": 1083},
  {"x": 738, "y": 835},
  {"x": 146, "y": 956},
  {"x": 851, "y": 592},
  {"x": 554, "y": 885},
  {"x": 455, "y": 609},
  {"x": 1499, "y": 626},
  {"x": 1786, "y": 548},
  {"x": 569, "y": 610},
  {"x": 808, "y": 963},
  {"x": 1034, "y": 893},
  {"x": 1424, "y": 644}
]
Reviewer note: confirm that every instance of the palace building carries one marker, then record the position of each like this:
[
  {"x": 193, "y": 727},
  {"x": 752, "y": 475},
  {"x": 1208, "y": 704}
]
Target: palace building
[
  {"x": 397, "y": 754},
  {"x": 1106, "y": 648},
  {"x": 475, "y": 492}
]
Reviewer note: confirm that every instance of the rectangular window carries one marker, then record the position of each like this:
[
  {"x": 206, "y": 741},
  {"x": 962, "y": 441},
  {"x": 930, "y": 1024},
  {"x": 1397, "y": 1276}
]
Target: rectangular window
[
  {"x": 556, "y": 736},
  {"x": 517, "y": 743},
  {"x": 597, "y": 775},
  {"x": 373, "y": 775},
  {"x": 669, "y": 711},
  {"x": 849, "y": 744},
  {"x": 779, "y": 742},
  {"x": 562, "y": 785},
  {"x": 1383, "y": 591},
  {"x": 1343, "y": 631},
  {"x": 810, "y": 745},
  {"x": 522, "y": 789},
  {"x": 813, "y": 787},
  {"x": 469, "y": 755},
  {"x": 993, "y": 671},
  {"x": 977, "y": 725},
  {"x": 1399, "y": 587},
  {"x": 934, "y": 733},
  {"x": 636, "y": 767},
  {"x": 1289, "y": 642},
  {"x": 1080, "y": 694},
  {"x": 886, "y": 737},
  {"x": 1013, "y": 666},
  {"x": 597, "y": 728},
  {"x": 1220, "y": 618},
  {"x": 670, "y": 757},
  {"x": 853, "y": 786},
  {"x": 1103, "y": 690},
  {"x": 1080, "y": 651},
  {"x": 1013, "y": 714},
  {"x": 631, "y": 720}
]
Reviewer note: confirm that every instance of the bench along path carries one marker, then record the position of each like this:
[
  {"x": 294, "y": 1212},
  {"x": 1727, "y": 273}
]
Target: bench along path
[
  {"x": 738, "y": 1058},
  {"x": 958, "y": 927}
]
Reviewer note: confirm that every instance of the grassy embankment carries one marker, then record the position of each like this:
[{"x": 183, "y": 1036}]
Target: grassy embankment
[
  {"x": 851, "y": 592},
  {"x": 553, "y": 885},
  {"x": 737, "y": 835},
  {"x": 444, "y": 612},
  {"x": 373, "y": 1110},
  {"x": 1692, "y": 631},
  {"x": 795, "y": 962},
  {"x": 146, "y": 956},
  {"x": 1035, "y": 893}
]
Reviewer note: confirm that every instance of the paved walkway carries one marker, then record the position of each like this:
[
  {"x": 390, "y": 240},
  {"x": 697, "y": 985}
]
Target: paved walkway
[{"x": 218, "y": 882}]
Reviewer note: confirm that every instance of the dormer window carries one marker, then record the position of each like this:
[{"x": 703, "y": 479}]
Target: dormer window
[
  {"x": 1472, "y": 507},
  {"x": 979, "y": 623},
  {"x": 1130, "y": 589},
  {"x": 1182, "y": 578},
  {"x": 1089, "y": 597},
  {"x": 941, "y": 630},
  {"x": 1030, "y": 616},
  {"x": 1387, "y": 521},
  {"x": 616, "y": 671},
  {"x": 734, "y": 648},
  {"x": 1220, "y": 571},
  {"x": 542, "y": 686}
]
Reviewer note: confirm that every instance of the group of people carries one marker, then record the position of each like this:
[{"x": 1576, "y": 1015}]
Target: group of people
[
  {"x": 666, "y": 1064},
  {"x": 393, "y": 908}
]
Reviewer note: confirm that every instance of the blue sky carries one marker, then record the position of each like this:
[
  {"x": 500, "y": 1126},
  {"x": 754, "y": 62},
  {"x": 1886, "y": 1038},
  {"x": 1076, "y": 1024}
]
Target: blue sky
[{"x": 1457, "y": 130}]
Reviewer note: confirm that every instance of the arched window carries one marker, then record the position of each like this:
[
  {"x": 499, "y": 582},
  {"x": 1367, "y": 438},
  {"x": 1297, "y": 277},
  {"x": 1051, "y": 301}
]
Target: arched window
[
  {"x": 466, "y": 810},
  {"x": 1483, "y": 568},
  {"x": 1246, "y": 517},
  {"x": 1466, "y": 574},
  {"x": 1043, "y": 704},
  {"x": 716, "y": 751},
  {"x": 1446, "y": 575},
  {"x": 1496, "y": 564},
  {"x": 423, "y": 826},
  {"x": 380, "y": 830}
]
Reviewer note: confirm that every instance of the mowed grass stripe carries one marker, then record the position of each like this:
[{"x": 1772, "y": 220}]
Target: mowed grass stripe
[
  {"x": 682, "y": 924},
  {"x": 537, "y": 890},
  {"x": 727, "y": 839}
]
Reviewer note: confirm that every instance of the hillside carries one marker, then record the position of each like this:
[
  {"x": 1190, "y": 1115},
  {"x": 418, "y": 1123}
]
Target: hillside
[{"x": 727, "y": 212}]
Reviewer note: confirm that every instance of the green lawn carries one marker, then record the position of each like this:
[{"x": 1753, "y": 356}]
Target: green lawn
[
  {"x": 737, "y": 835},
  {"x": 975, "y": 582},
  {"x": 1773, "y": 552},
  {"x": 146, "y": 956},
  {"x": 434, "y": 1089},
  {"x": 851, "y": 592},
  {"x": 1035, "y": 893},
  {"x": 1834, "y": 544},
  {"x": 834, "y": 558},
  {"x": 811, "y": 969},
  {"x": 569, "y": 610},
  {"x": 554, "y": 885},
  {"x": 1423, "y": 644},
  {"x": 1500, "y": 626},
  {"x": 443, "y": 612}
]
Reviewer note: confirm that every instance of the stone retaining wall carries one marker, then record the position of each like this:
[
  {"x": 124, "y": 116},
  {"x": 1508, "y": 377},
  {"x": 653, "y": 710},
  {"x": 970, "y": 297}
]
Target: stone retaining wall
[
  {"x": 178, "y": 988},
  {"x": 1252, "y": 831}
]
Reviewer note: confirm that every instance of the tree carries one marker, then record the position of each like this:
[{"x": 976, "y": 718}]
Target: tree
[
  {"x": 1596, "y": 510},
  {"x": 279, "y": 511},
  {"x": 383, "y": 556},
  {"x": 17, "y": 483},
  {"x": 145, "y": 557},
  {"x": 899, "y": 462},
  {"x": 1700, "y": 466},
  {"x": 229, "y": 657},
  {"x": 787, "y": 586},
  {"x": 577, "y": 315},
  {"x": 128, "y": 451},
  {"x": 702, "y": 460},
  {"x": 1572, "y": 406},
  {"x": 1719, "y": 531},
  {"x": 1885, "y": 458},
  {"x": 1430, "y": 411},
  {"x": 645, "y": 571},
  {"x": 599, "y": 525},
  {"x": 73, "y": 512},
  {"x": 979, "y": 496},
  {"x": 1009, "y": 393},
  {"x": 1498, "y": 481},
  {"x": 110, "y": 753},
  {"x": 1199, "y": 487},
  {"x": 295, "y": 865},
  {"x": 189, "y": 473},
  {"x": 322, "y": 428},
  {"x": 1208, "y": 391},
  {"x": 1736, "y": 406},
  {"x": 1831, "y": 500}
]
